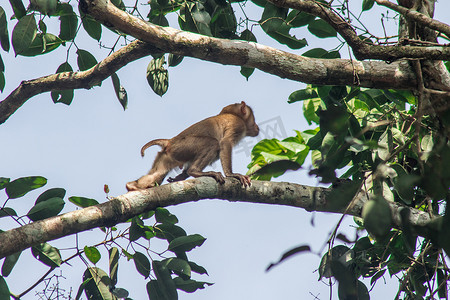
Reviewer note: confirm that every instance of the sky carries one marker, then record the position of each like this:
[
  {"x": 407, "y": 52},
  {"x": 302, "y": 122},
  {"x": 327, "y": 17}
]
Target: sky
[{"x": 94, "y": 142}]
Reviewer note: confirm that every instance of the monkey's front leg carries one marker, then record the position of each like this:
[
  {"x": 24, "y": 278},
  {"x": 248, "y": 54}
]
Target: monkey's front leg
[{"x": 225, "y": 159}]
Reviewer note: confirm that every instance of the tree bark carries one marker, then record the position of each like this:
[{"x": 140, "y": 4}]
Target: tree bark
[{"x": 122, "y": 208}]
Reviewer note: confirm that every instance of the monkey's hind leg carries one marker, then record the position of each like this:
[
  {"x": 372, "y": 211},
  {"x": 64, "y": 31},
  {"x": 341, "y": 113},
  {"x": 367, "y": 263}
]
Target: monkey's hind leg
[
  {"x": 182, "y": 176},
  {"x": 162, "y": 165},
  {"x": 204, "y": 157}
]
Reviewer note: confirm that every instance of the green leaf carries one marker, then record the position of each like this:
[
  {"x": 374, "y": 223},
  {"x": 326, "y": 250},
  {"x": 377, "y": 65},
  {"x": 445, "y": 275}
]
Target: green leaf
[
  {"x": 299, "y": 19},
  {"x": 186, "y": 243},
  {"x": 42, "y": 44},
  {"x": 341, "y": 194},
  {"x": 442, "y": 284},
  {"x": 367, "y": 4},
  {"x": 51, "y": 42},
  {"x": 197, "y": 269},
  {"x": 153, "y": 291},
  {"x": 64, "y": 96},
  {"x": 321, "y": 29},
  {"x": 165, "y": 282},
  {"x": 121, "y": 93},
  {"x": 46, "y": 209},
  {"x": 4, "y": 290},
  {"x": 51, "y": 193},
  {"x": 275, "y": 168},
  {"x": 189, "y": 285},
  {"x": 338, "y": 252},
  {"x": 82, "y": 201},
  {"x": 223, "y": 19},
  {"x": 247, "y": 35},
  {"x": 349, "y": 290},
  {"x": 4, "y": 36},
  {"x": 85, "y": 60},
  {"x": 136, "y": 229},
  {"x": 92, "y": 27},
  {"x": 158, "y": 76},
  {"x": 19, "y": 10},
  {"x": 119, "y": 4},
  {"x": 64, "y": 67},
  {"x": 273, "y": 17},
  {"x": 9, "y": 263},
  {"x": 113, "y": 264},
  {"x": 2, "y": 80},
  {"x": 47, "y": 254},
  {"x": 247, "y": 72},
  {"x": 305, "y": 94},
  {"x": 142, "y": 264},
  {"x": 315, "y": 53},
  {"x": 168, "y": 231},
  {"x": 175, "y": 60},
  {"x": 180, "y": 266},
  {"x": 404, "y": 183},
  {"x": 3, "y": 182},
  {"x": 273, "y": 22},
  {"x": 162, "y": 215},
  {"x": 7, "y": 212},
  {"x": 42, "y": 26},
  {"x": 21, "y": 186},
  {"x": 92, "y": 254},
  {"x": 194, "y": 18},
  {"x": 24, "y": 33},
  {"x": 159, "y": 19},
  {"x": 283, "y": 37},
  {"x": 68, "y": 22},
  {"x": 377, "y": 276},
  {"x": 287, "y": 254},
  {"x": 46, "y": 7},
  {"x": 377, "y": 216},
  {"x": 120, "y": 293},
  {"x": 97, "y": 284}
]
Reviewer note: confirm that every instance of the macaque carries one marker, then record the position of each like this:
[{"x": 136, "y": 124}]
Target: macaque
[{"x": 200, "y": 145}]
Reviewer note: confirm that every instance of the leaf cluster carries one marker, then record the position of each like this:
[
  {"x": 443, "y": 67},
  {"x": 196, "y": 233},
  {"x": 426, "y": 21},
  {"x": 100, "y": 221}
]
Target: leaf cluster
[
  {"x": 380, "y": 142},
  {"x": 167, "y": 271}
]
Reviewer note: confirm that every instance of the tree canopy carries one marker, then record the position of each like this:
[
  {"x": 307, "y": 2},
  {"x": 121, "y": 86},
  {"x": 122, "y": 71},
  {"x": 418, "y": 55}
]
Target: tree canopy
[{"x": 376, "y": 102}]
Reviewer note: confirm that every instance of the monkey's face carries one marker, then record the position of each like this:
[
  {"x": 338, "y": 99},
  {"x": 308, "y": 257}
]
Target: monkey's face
[
  {"x": 249, "y": 117},
  {"x": 252, "y": 127}
]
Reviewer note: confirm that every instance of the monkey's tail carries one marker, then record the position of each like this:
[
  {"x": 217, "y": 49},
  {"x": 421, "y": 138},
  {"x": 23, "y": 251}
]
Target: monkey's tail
[{"x": 160, "y": 142}]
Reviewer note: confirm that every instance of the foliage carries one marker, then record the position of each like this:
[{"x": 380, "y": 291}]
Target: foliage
[
  {"x": 375, "y": 139},
  {"x": 170, "y": 270}
]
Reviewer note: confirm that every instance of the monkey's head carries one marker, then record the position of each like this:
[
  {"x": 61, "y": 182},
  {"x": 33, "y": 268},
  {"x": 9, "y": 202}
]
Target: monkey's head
[{"x": 245, "y": 112}]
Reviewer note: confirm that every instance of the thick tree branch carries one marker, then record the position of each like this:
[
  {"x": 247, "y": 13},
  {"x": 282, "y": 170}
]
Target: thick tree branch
[
  {"x": 371, "y": 74},
  {"x": 131, "y": 204},
  {"x": 417, "y": 17},
  {"x": 361, "y": 49}
]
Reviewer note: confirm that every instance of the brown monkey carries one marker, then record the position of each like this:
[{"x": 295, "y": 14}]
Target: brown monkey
[{"x": 200, "y": 145}]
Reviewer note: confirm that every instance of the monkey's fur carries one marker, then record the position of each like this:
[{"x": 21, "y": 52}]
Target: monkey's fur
[{"x": 200, "y": 145}]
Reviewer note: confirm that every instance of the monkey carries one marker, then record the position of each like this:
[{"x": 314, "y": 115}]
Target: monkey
[{"x": 200, "y": 145}]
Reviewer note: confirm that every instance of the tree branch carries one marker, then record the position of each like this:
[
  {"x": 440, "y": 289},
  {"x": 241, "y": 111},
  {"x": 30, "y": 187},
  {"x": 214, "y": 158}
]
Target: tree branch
[
  {"x": 361, "y": 49},
  {"x": 371, "y": 74},
  {"x": 131, "y": 204},
  {"x": 417, "y": 17},
  {"x": 73, "y": 80}
]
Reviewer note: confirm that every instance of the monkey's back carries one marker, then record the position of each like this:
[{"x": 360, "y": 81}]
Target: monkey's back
[{"x": 206, "y": 134}]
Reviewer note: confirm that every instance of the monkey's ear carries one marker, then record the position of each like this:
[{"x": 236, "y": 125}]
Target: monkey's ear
[{"x": 243, "y": 106}]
